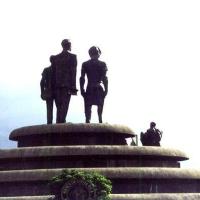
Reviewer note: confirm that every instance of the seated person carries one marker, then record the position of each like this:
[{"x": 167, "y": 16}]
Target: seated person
[{"x": 152, "y": 136}]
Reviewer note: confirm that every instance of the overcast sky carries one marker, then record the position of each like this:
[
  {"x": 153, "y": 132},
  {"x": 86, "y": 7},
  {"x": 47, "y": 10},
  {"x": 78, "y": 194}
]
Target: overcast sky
[{"x": 152, "y": 50}]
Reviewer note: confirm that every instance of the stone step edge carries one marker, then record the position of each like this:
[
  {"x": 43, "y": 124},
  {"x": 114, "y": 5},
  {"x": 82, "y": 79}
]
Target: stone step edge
[
  {"x": 118, "y": 172},
  {"x": 68, "y": 128},
  {"x": 48, "y": 197},
  {"x": 150, "y": 196},
  {"x": 88, "y": 150},
  {"x": 156, "y": 196}
]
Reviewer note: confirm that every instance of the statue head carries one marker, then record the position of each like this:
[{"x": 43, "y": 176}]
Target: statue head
[
  {"x": 152, "y": 124},
  {"x": 66, "y": 44},
  {"x": 94, "y": 52}
]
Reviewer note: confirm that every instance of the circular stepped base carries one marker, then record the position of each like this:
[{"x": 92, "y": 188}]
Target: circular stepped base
[{"x": 77, "y": 143}]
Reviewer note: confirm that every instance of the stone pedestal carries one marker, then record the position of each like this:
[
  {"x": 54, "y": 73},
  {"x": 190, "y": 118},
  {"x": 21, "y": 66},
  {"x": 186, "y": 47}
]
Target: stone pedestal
[{"x": 136, "y": 172}]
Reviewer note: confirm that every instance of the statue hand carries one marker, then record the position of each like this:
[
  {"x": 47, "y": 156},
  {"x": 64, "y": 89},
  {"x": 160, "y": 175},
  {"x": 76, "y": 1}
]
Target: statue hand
[
  {"x": 42, "y": 97},
  {"x": 105, "y": 93},
  {"x": 73, "y": 91},
  {"x": 83, "y": 93}
]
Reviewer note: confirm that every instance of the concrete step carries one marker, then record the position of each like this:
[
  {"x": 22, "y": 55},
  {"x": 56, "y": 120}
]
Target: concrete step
[
  {"x": 71, "y": 134},
  {"x": 47, "y": 157},
  {"x": 150, "y": 196},
  {"x": 124, "y": 180},
  {"x": 48, "y": 197},
  {"x": 157, "y": 196}
]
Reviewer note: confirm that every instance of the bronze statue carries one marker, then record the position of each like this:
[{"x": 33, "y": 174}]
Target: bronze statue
[
  {"x": 95, "y": 70},
  {"x": 152, "y": 137},
  {"x": 47, "y": 92},
  {"x": 63, "y": 82}
]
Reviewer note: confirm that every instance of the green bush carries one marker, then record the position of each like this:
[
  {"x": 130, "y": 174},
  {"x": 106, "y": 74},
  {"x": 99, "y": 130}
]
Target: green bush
[{"x": 100, "y": 184}]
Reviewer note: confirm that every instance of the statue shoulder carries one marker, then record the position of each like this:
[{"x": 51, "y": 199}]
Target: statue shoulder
[
  {"x": 103, "y": 65},
  {"x": 46, "y": 70},
  {"x": 73, "y": 56},
  {"x": 86, "y": 63}
]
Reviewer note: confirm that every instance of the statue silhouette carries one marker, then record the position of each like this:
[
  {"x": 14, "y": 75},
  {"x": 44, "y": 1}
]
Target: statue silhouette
[
  {"x": 64, "y": 79},
  {"x": 47, "y": 91},
  {"x": 95, "y": 70},
  {"x": 152, "y": 137}
]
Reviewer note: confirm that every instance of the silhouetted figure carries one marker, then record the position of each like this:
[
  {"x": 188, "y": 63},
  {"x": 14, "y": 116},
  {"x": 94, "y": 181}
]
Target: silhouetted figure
[
  {"x": 64, "y": 79},
  {"x": 47, "y": 93},
  {"x": 152, "y": 136},
  {"x": 95, "y": 70}
]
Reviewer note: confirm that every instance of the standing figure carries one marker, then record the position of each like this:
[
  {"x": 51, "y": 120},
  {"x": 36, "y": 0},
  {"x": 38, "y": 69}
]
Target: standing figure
[
  {"x": 152, "y": 136},
  {"x": 47, "y": 93},
  {"x": 95, "y": 70},
  {"x": 64, "y": 79}
]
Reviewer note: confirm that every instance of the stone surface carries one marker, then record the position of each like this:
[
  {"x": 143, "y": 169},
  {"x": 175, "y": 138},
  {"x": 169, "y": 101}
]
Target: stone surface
[
  {"x": 112, "y": 173},
  {"x": 89, "y": 156},
  {"x": 124, "y": 180},
  {"x": 71, "y": 134},
  {"x": 48, "y": 197},
  {"x": 136, "y": 172},
  {"x": 161, "y": 196},
  {"x": 154, "y": 152}
]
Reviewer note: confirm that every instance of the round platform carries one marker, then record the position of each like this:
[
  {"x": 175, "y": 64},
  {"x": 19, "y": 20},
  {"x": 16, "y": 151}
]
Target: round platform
[
  {"x": 124, "y": 180},
  {"x": 71, "y": 134},
  {"x": 89, "y": 156}
]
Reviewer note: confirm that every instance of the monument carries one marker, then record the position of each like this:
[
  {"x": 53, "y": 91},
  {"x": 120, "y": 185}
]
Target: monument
[
  {"x": 59, "y": 82},
  {"x": 137, "y": 172}
]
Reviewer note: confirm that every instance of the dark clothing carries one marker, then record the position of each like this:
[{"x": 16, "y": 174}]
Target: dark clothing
[
  {"x": 95, "y": 71},
  {"x": 62, "y": 99},
  {"x": 49, "y": 105},
  {"x": 64, "y": 82},
  {"x": 47, "y": 93},
  {"x": 151, "y": 138},
  {"x": 64, "y": 70},
  {"x": 46, "y": 83}
]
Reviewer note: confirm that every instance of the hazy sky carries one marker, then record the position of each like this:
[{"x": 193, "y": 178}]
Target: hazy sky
[{"x": 152, "y": 49}]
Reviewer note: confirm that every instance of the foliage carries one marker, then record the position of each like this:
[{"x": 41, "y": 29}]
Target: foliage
[{"x": 101, "y": 185}]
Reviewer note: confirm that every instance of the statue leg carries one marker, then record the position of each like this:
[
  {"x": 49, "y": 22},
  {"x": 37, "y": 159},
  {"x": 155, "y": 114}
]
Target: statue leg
[
  {"x": 58, "y": 105},
  {"x": 88, "y": 108},
  {"x": 62, "y": 100},
  {"x": 65, "y": 106},
  {"x": 49, "y": 105},
  {"x": 100, "y": 111}
]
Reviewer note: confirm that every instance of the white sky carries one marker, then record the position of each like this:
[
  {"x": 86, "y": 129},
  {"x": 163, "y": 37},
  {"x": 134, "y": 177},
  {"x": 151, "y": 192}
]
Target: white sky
[{"x": 151, "y": 48}]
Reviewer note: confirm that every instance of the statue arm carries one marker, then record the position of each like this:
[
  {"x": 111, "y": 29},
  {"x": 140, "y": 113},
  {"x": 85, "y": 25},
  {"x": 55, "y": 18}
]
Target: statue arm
[
  {"x": 73, "y": 75},
  {"x": 105, "y": 80},
  {"x": 82, "y": 81},
  {"x": 105, "y": 83},
  {"x": 42, "y": 84}
]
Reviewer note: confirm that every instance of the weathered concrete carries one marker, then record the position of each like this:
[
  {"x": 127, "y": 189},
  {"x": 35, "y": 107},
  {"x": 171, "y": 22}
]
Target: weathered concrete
[
  {"x": 71, "y": 134},
  {"x": 161, "y": 196},
  {"x": 154, "y": 152},
  {"x": 47, "y": 197},
  {"x": 112, "y": 173},
  {"x": 125, "y": 180},
  {"x": 89, "y": 156},
  {"x": 136, "y": 172}
]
